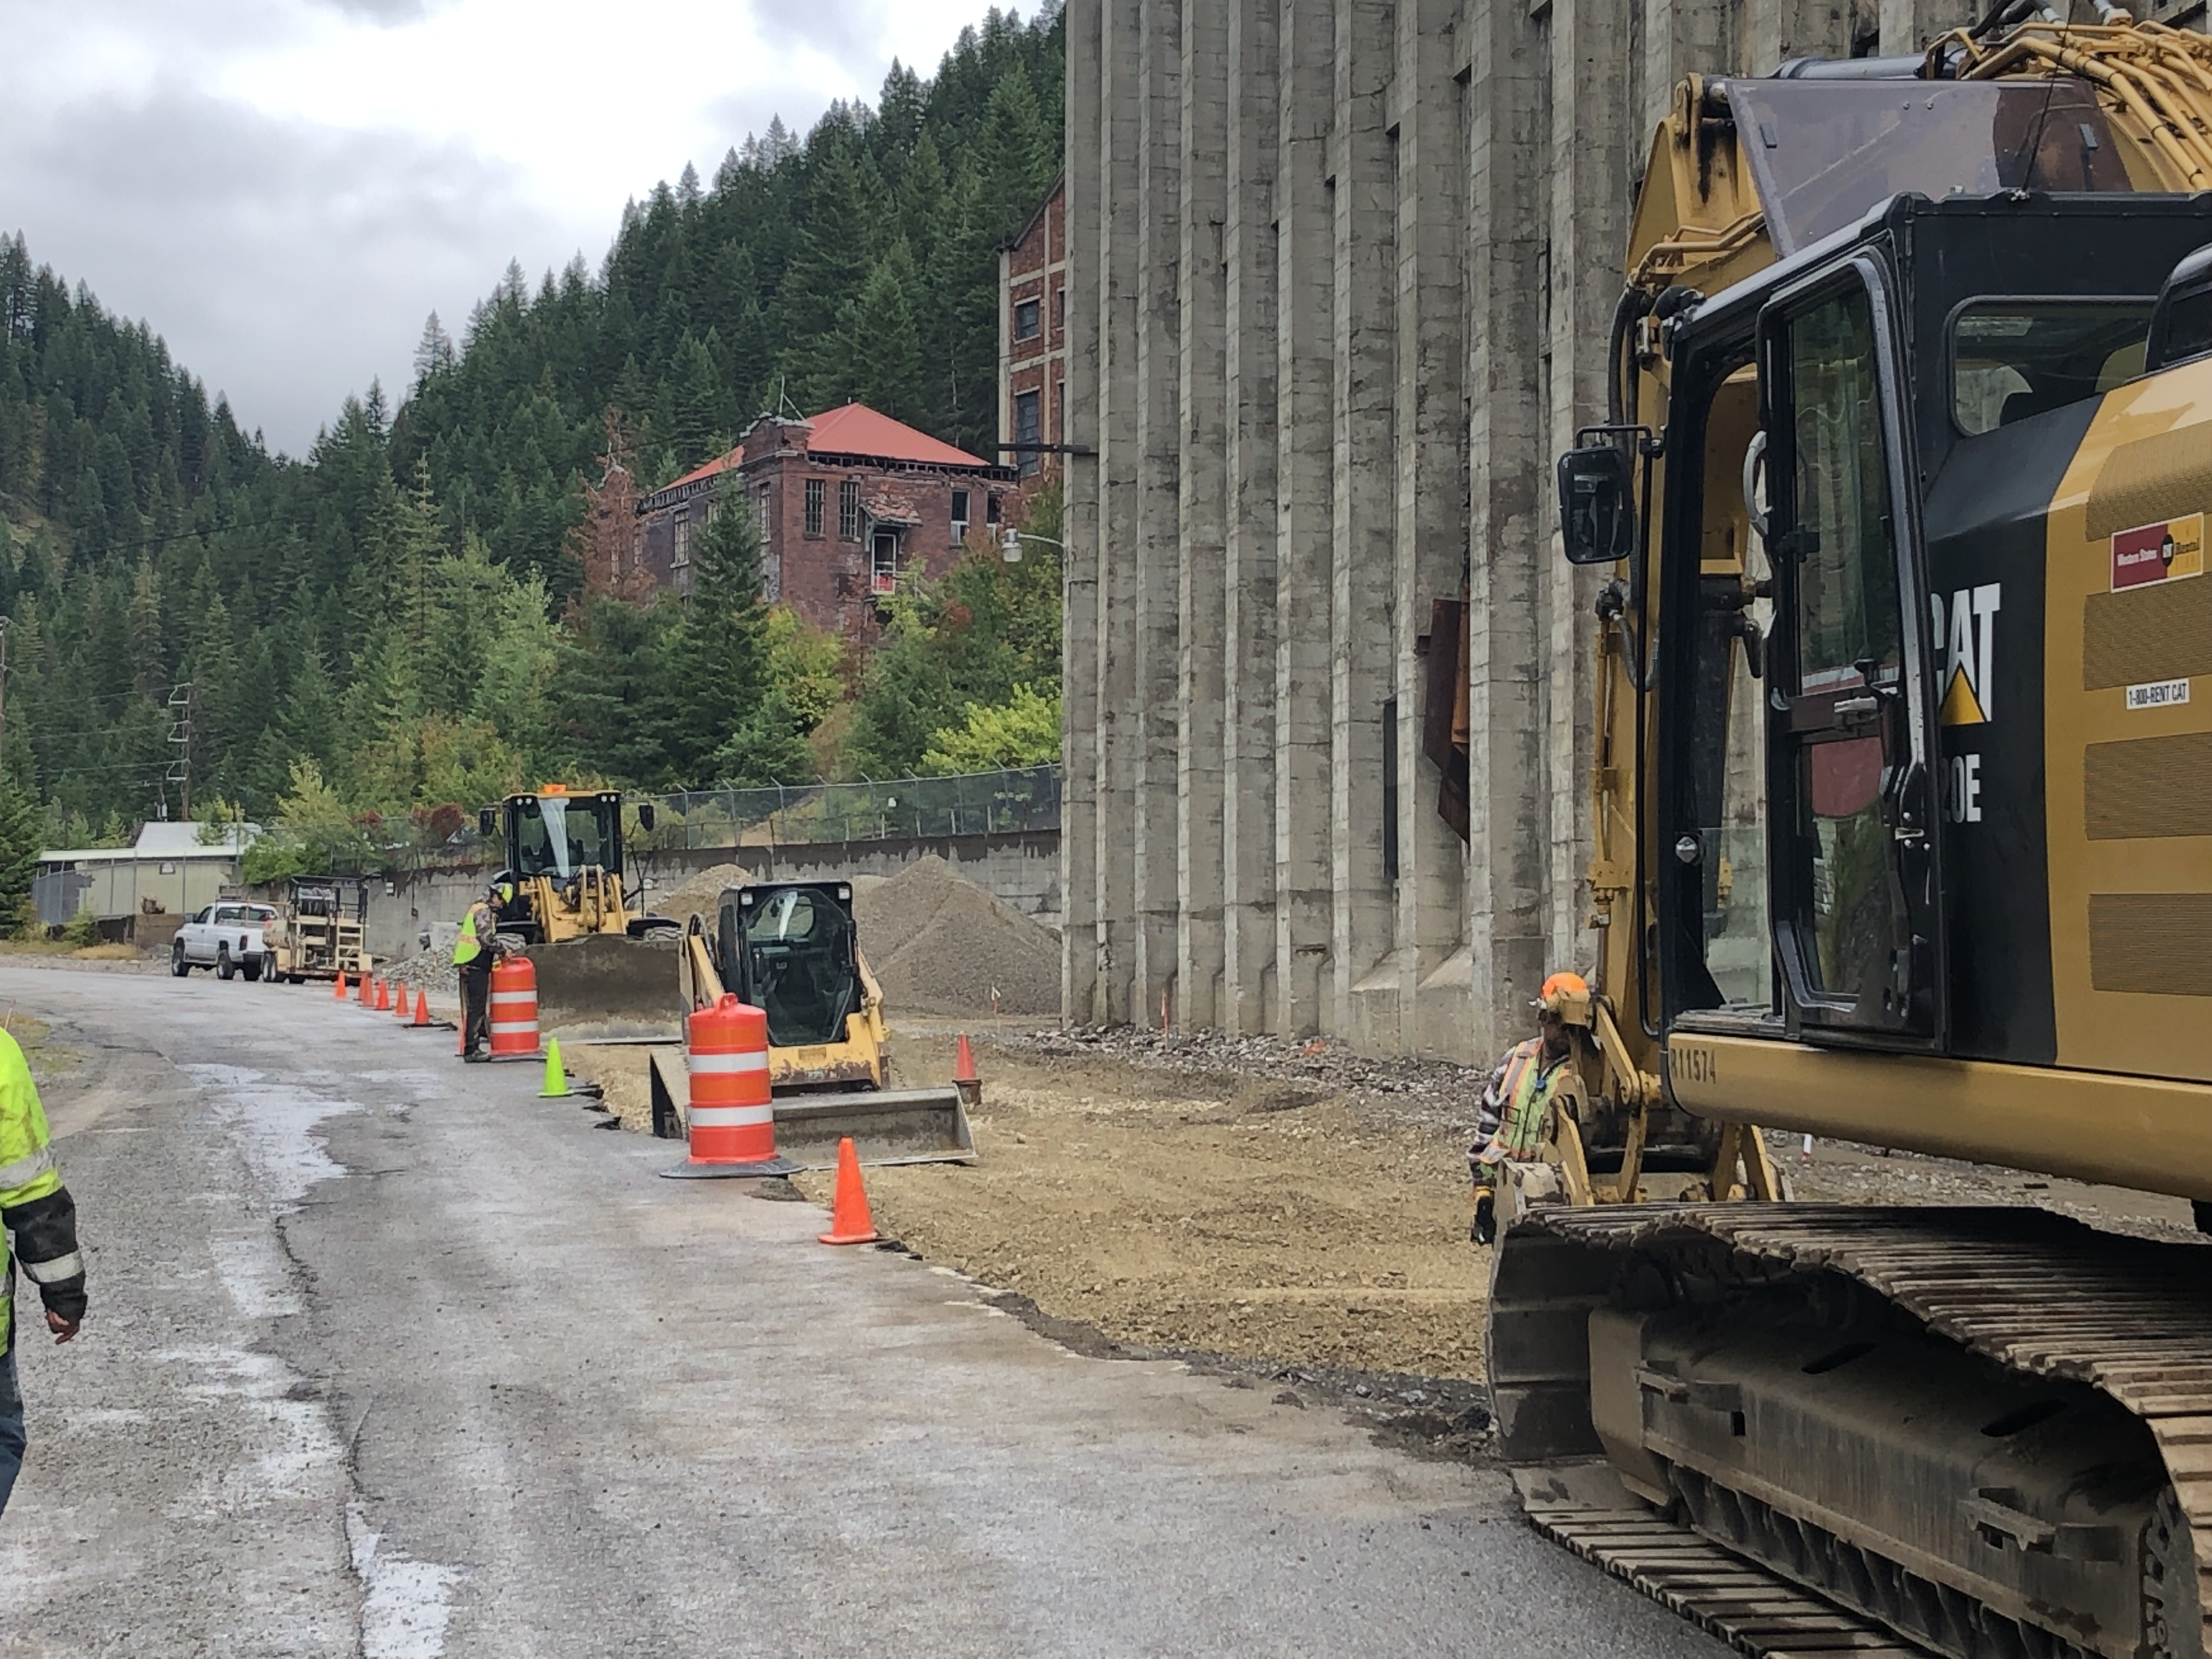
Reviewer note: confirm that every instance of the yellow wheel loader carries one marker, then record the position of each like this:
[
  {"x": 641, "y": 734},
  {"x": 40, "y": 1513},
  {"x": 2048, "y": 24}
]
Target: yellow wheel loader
[
  {"x": 791, "y": 948},
  {"x": 1902, "y": 820},
  {"x": 599, "y": 961}
]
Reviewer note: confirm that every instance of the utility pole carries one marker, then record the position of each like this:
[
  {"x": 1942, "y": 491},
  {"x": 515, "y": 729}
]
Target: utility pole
[
  {"x": 6, "y": 623},
  {"x": 180, "y": 740}
]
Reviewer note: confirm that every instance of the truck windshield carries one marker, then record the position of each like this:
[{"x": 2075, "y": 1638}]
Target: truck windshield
[
  {"x": 2011, "y": 359},
  {"x": 558, "y": 835}
]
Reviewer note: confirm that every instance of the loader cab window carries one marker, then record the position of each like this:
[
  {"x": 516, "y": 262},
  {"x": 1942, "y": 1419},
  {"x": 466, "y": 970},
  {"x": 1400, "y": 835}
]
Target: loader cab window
[
  {"x": 2012, "y": 358},
  {"x": 558, "y": 835}
]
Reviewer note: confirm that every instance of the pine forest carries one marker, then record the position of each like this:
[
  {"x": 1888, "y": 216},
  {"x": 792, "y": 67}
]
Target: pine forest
[{"x": 402, "y": 625}]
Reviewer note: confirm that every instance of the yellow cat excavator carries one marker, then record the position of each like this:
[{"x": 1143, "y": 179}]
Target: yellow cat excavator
[{"x": 1903, "y": 825}]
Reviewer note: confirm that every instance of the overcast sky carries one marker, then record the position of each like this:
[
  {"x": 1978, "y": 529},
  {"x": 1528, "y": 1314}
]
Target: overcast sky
[{"x": 285, "y": 188}]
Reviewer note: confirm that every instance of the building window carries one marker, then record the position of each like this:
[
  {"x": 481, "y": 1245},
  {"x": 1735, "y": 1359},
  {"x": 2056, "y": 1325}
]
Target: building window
[
  {"x": 682, "y": 537},
  {"x": 990, "y": 509},
  {"x": 814, "y": 507},
  {"x": 1060, "y": 307},
  {"x": 1025, "y": 319},
  {"x": 762, "y": 510},
  {"x": 848, "y": 510},
  {"x": 883, "y": 563},
  {"x": 959, "y": 514},
  {"x": 1026, "y": 431}
]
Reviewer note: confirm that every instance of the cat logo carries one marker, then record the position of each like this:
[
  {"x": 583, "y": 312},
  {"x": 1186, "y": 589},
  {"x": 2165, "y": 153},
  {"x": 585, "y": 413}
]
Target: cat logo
[{"x": 1967, "y": 651}]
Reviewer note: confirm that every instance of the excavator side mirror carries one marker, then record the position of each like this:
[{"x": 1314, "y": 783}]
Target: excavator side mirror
[
  {"x": 2181, "y": 322},
  {"x": 488, "y": 821},
  {"x": 1597, "y": 509},
  {"x": 645, "y": 817}
]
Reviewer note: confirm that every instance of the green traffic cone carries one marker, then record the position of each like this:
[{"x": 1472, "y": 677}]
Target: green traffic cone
[{"x": 556, "y": 1080}]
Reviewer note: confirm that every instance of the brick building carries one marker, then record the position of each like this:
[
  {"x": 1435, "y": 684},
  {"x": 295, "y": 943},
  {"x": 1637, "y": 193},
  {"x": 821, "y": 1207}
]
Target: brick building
[
  {"x": 849, "y": 503},
  {"x": 1033, "y": 336}
]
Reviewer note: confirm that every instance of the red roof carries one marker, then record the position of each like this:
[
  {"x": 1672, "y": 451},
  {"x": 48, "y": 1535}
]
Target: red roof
[
  {"x": 856, "y": 429},
  {"x": 720, "y": 463}
]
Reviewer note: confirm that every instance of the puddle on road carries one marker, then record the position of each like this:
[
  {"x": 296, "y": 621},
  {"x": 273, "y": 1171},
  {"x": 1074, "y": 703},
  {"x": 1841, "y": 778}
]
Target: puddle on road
[
  {"x": 274, "y": 1125},
  {"x": 405, "y": 1604}
]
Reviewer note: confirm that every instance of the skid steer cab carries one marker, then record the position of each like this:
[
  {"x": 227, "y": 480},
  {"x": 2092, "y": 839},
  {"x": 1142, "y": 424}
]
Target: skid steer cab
[
  {"x": 563, "y": 853},
  {"x": 791, "y": 950}
]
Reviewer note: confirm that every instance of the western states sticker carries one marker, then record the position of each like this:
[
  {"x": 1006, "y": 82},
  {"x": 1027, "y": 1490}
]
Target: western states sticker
[
  {"x": 2159, "y": 694},
  {"x": 2158, "y": 552}
]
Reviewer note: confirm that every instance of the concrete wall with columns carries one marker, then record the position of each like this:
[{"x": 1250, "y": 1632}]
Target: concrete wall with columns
[{"x": 1339, "y": 278}]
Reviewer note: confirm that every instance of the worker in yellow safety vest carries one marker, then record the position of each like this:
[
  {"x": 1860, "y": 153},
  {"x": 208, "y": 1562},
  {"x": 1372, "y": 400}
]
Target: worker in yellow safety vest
[
  {"x": 474, "y": 948},
  {"x": 1533, "y": 1079},
  {"x": 38, "y": 1210}
]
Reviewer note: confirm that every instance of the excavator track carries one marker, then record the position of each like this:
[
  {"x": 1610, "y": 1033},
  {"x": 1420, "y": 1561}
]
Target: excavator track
[{"x": 2040, "y": 1294}]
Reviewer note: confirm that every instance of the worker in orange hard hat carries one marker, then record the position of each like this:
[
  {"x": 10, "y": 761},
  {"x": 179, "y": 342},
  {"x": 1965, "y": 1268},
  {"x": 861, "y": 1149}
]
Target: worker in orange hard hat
[{"x": 1534, "y": 1077}]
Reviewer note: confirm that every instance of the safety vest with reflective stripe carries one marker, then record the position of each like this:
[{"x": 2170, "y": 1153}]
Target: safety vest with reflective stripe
[
  {"x": 28, "y": 1171},
  {"x": 1526, "y": 1091},
  {"x": 466, "y": 948}
]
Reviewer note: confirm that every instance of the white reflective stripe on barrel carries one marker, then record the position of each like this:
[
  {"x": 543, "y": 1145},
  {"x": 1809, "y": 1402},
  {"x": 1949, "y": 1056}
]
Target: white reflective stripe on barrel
[
  {"x": 514, "y": 1025},
  {"x": 498, "y": 997},
  {"x": 731, "y": 1117},
  {"x": 755, "y": 1061}
]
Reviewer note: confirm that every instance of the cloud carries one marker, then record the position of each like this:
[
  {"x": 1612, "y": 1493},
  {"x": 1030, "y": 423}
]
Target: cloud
[
  {"x": 846, "y": 30},
  {"x": 286, "y": 264},
  {"x": 384, "y": 12}
]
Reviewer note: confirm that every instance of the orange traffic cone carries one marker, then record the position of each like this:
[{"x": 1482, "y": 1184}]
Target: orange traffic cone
[
  {"x": 383, "y": 996},
  {"x": 368, "y": 995},
  {"x": 399, "y": 1004},
  {"x": 339, "y": 993},
  {"x": 421, "y": 1008},
  {"x": 848, "y": 1213},
  {"x": 964, "y": 1080}
]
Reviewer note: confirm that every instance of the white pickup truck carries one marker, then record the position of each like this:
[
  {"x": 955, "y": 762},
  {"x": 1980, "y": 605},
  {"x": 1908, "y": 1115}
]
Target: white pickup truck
[{"x": 226, "y": 937}]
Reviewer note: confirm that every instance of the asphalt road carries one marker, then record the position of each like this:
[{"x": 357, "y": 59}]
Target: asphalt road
[{"x": 388, "y": 1358}]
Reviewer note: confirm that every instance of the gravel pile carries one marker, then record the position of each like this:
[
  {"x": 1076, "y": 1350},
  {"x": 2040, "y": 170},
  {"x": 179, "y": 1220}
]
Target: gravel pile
[
  {"x": 1432, "y": 1091},
  {"x": 940, "y": 944},
  {"x": 699, "y": 895},
  {"x": 427, "y": 970}
]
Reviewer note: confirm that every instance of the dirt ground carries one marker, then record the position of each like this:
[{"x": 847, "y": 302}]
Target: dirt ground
[
  {"x": 1295, "y": 1208},
  {"x": 1282, "y": 1220}
]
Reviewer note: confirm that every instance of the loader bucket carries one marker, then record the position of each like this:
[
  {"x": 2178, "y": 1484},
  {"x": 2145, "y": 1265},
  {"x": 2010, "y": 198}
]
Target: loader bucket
[
  {"x": 888, "y": 1126},
  {"x": 607, "y": 985}
]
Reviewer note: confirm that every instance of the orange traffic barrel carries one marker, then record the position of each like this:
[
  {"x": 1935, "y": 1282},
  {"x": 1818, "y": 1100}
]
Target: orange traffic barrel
[
  {"x": 514, "y": 1009},
  {"x": 732, "y": 1112}
]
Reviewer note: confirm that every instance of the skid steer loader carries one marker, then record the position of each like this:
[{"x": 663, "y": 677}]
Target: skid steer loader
[{"x": 791, "y": 948}]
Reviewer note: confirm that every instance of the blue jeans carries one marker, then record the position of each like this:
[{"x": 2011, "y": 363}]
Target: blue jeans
[{"x": 11, "y": 1427}]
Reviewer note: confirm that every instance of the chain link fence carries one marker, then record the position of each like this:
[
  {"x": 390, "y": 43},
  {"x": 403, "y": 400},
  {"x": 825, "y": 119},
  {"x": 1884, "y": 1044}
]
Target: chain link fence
[{"x": 968, "y": 804}]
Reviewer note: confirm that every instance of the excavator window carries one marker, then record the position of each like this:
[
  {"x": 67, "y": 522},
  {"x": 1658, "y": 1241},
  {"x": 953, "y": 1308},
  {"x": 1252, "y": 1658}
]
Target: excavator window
[
  {"x": 2012, "y": 358},
  {"x": 1857, "y": 817}
]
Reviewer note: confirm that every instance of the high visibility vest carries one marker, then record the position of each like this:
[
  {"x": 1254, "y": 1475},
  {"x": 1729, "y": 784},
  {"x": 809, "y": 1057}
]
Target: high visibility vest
[
  {"x": 1526, "y": 1091},
  {"x": 466, "y": 949},
  {"x": 27, "y": 1172}
]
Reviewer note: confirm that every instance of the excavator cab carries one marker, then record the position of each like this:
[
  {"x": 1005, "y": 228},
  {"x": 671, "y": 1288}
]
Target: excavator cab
[{"x": 792, "y": 947}]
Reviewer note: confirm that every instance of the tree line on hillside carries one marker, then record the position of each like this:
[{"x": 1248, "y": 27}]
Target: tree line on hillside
[{"x": 396, "y": 625}]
